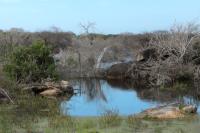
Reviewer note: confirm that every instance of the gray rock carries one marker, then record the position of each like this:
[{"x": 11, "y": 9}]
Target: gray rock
[
  {"x": 170, "y": 111},
  {"x": 118, "y": 71},
  {"x": 189, "y": 109}
]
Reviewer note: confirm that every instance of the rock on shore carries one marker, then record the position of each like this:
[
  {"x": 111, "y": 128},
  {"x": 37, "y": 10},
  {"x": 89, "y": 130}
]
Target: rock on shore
[
  {"x": 52, "y": 89},
  {"x": 170, "y": 111}
]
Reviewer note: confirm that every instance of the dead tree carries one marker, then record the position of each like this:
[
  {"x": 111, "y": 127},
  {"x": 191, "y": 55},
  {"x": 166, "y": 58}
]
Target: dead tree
[{"x": 87, "y": 28}]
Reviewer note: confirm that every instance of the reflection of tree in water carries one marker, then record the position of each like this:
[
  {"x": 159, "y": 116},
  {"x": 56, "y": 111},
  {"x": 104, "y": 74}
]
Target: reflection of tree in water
[
  {"x": 92, "y": 89},
  {"x": 155, "y": 94}
]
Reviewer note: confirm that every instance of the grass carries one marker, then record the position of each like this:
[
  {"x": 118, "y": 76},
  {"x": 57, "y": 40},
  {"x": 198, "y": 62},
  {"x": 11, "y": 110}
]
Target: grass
[
  {"x": 135, "y": 124},
  {"x": 110, "y": 118},
  {"x": 15, "y": 121}
]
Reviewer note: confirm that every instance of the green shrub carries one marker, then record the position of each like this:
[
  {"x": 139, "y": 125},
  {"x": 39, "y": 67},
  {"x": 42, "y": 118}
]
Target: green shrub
[
  {"x": 31, "y": 63},
  {"x": 180, "y": 87},
  {"x": 184, "y": 76}
]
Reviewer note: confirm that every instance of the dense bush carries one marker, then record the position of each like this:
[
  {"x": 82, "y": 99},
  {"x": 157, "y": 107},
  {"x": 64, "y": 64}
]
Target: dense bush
[{"x": 31, "y": 63}]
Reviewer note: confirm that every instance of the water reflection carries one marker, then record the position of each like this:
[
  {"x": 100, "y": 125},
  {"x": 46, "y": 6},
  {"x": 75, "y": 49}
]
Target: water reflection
[
  {"x": 93, "y": 90},
  {"x": 96, "y": 96}
]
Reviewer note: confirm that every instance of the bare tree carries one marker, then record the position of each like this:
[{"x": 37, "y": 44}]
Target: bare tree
[
  {"x": 175, "y": 43},
  {"x": 88, "y": 28},
  {"x": 171, "y": 50}
]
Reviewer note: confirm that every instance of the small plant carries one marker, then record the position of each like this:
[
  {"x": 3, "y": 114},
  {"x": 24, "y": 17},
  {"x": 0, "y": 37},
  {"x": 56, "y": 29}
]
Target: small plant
[
  {"x": 110, "y": 118},
  {"x": 179, "y": 130},
  {"x": 31, "y": 63},
  {"x": 181, "y": 106},
  {"x": 158, "y": 130},
  {"x": 63, "y": 123},
  {"x": 134, "y": 123},
  {"x": 88, "y": 124}
]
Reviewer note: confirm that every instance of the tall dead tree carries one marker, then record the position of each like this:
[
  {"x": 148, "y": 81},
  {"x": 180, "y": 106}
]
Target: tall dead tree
[{"x": 88, "y": 28}]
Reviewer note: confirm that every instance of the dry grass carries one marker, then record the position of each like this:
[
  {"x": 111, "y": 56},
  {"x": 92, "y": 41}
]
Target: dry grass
[{"x": 110, "y": 118}]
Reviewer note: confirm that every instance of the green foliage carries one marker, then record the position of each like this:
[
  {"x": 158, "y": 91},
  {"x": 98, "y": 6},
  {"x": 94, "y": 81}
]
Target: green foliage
[
  {"x": 176, "y": 87},
  {"x": 181, "y": 106},
  {"x": 5, "y": 50},
  {"x": 181, "y": 87},
  {"x": 31, "y": 63}
]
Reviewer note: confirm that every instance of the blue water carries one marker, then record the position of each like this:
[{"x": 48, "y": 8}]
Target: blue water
[{"x": 107, "y": 97}]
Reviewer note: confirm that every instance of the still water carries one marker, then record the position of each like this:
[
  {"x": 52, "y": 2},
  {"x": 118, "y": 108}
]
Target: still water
[{"x": 97, "y": 96}]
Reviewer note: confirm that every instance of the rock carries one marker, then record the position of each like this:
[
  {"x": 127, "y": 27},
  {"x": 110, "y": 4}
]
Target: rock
[
  {"x": 165, "y": 113},
  {"x": 51, "y": 92},
  {"x": 146, "y": 54},
  {"x": 66, "y": 87},
  {"x": 118, "y": 71},
  {"x": 64, "y": 83},
  {"x": 110, "y": 58},
  {"x": 171, "y": 111},
  {"x": 189, "y": 109},
  {"x": 52, "y": 89},
  {"x": 140, "y": 57},
  {"x": 37, "y": 89}
]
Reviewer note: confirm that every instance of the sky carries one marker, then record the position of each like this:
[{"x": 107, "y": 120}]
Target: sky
[{"x": 109, "y": 16}]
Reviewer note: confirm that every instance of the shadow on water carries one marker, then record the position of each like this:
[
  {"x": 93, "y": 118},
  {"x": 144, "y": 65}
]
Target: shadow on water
[{"x": 95, "y": 96}]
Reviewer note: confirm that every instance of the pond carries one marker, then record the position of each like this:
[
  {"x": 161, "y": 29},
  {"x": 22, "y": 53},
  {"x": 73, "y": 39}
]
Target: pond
[
  {"x": 36, "y": 114},
  {"x": 98, "y": 96}
]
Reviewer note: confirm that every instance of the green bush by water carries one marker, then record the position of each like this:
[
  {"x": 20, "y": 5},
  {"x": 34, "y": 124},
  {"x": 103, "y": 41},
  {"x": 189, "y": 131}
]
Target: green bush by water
[{"x": 31, "y": 63}]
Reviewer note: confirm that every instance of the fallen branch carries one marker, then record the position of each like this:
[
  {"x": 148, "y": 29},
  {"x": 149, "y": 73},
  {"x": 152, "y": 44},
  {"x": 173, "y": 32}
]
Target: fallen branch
[{"x": 6, "y": 94}]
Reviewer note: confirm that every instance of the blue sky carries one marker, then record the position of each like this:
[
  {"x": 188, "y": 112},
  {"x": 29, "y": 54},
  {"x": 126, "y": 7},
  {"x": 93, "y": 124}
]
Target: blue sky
[{"x": 110, "y": 16}]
